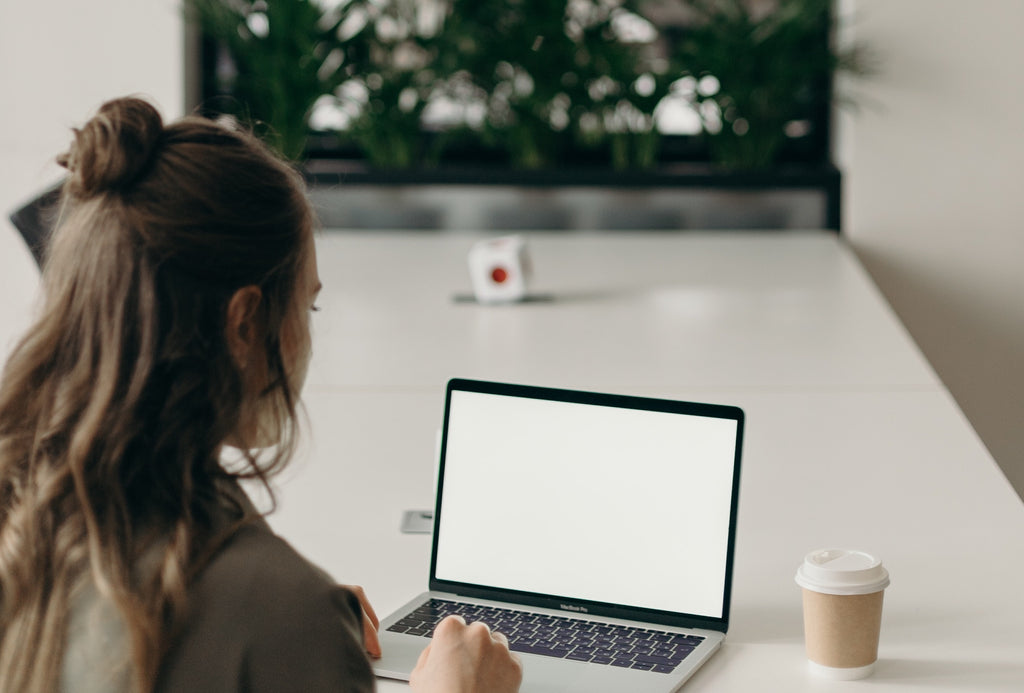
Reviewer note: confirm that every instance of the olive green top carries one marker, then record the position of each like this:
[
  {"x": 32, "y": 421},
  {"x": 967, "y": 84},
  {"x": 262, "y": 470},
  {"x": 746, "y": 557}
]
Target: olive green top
[{"x": 261, "y": 619}]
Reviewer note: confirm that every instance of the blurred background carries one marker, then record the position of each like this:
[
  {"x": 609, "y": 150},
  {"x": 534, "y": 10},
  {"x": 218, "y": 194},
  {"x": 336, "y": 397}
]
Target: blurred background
[{"x": 895, "y": 124}]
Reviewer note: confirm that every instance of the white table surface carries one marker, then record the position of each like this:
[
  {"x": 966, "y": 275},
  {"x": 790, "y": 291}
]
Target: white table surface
[
  {"x": 851, "y": 439},
  {"x": 778, "y": 310}
]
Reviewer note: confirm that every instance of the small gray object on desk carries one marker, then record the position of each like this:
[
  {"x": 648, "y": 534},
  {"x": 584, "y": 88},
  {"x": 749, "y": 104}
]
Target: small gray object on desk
[{"x": 418, "y": 522}]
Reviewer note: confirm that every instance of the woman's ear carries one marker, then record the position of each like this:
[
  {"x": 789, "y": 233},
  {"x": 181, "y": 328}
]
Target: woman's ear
[{"x": 243, "y": 331}]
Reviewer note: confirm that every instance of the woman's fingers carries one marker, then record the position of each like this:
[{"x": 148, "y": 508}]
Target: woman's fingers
[{"x": 371, "y": 640}]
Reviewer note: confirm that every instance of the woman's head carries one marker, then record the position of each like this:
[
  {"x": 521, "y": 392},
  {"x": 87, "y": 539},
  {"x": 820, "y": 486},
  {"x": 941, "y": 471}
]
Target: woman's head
[
  {"x": 163, "y": 226},
  {"x": 176, "y": 292}
]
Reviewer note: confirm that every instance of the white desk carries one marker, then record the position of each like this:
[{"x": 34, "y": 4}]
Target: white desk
[
  {"x": 779, "y": 311},
  {"x": 851, "y": 439}
]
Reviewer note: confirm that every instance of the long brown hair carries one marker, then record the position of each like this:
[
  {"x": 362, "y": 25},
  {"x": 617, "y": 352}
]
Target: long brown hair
[{"x": 114, "y": 406}]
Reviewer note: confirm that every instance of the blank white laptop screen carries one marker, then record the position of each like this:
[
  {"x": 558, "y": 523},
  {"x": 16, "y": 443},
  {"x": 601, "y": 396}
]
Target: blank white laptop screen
[{"x": 607, "y": 504}]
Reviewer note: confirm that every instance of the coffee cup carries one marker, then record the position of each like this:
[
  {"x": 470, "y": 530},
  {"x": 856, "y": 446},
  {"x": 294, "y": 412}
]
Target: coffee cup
[{"x": 842, "y": 602}]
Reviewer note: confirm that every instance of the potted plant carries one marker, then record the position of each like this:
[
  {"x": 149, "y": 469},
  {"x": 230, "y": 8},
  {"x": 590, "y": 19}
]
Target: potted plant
[
  {"x": 277, "y": 59},
  {"x": 547, "y": 81},
  {"x": 761, "y": 72},
  {"x": 548, "y": 75},
  {"x": 536, "y": 92}
]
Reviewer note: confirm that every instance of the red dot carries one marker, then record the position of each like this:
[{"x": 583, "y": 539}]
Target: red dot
[{"x": 499, "y": 275}]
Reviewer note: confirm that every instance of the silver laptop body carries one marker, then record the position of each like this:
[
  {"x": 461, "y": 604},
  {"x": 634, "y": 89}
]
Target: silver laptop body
[{"x": 597, "y": 530}]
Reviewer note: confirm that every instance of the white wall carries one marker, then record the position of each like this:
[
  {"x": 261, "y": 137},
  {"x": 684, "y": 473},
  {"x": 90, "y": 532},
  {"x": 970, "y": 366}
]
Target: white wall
[
  {"x": 59, "y": 60},
  {"x": 934, "y": 196}
]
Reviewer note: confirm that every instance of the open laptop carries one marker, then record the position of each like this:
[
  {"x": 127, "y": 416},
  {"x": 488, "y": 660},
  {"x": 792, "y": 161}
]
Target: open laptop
[{"x": 596, "y": 531}]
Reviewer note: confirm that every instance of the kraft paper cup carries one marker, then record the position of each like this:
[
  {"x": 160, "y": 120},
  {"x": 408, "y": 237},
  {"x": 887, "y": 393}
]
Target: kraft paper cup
[{"x": 842, "y": 594}]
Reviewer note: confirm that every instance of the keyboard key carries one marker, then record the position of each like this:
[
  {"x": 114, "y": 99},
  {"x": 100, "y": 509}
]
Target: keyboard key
[
  {"x": 690, "y": 640},
  {"x": 650, "y": 659},
  {"x": 558, "y": 652}
]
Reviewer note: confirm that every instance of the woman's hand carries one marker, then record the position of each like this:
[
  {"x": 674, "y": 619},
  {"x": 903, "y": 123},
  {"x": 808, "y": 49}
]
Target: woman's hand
[
  {"x": 370, "y": 622},
  {"x": 466, "y": 659}
]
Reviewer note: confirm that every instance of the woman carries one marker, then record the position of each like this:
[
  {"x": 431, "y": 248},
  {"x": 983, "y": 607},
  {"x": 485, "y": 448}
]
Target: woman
[{"x": 177, "y": 293}]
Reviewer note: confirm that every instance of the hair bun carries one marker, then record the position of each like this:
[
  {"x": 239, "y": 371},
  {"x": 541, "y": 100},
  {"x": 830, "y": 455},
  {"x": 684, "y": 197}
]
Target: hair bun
[{"x": 114, "y": 149}]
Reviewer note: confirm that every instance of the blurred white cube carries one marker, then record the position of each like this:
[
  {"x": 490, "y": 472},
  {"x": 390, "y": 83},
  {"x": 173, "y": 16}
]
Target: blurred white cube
[{"x": 499, "y": 269}]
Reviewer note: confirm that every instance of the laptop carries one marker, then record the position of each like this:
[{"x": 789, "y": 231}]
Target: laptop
[{"x": 596, "y": 531}]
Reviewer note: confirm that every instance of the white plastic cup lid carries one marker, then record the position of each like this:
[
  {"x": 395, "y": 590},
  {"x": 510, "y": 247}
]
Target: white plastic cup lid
[{"x": 842, "y": 571}]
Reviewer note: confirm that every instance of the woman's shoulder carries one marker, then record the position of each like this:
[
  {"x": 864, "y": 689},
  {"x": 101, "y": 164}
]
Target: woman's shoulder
[
  {"x": 257, "y": 582},
  {"x": 263, "y": 618},
  {"x": 256, "y": 565}
]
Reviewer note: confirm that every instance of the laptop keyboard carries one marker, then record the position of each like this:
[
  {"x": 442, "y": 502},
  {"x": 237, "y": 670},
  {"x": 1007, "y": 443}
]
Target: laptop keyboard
[{"x": 562, "y": 637}]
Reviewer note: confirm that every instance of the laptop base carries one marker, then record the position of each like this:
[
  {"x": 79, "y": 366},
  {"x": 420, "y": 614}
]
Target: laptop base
[{"x": 543, "y": 674}]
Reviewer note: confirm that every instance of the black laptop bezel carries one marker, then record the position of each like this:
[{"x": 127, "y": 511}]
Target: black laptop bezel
[{"x": 577, "y": 606}]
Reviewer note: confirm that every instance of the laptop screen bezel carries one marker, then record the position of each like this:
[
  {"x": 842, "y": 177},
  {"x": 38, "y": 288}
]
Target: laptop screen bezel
[{"x": 570, "y": 605}]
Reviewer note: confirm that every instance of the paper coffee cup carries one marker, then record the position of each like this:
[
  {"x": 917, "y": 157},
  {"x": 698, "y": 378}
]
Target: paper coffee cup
[{"x": 842, "y": 592}]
